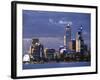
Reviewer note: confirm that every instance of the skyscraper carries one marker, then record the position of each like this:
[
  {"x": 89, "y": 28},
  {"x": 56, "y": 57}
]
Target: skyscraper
[
  {"x": 73, "y": 44},
  {"x": 64, "y": 40},
  {"x": 36, "y": 49},
  {"x": 67, "y": 37},
  {"x": 79, "y": 41}
]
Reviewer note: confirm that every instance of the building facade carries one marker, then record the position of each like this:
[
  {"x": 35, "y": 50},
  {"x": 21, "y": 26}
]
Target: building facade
[
  {"x": 79, "y": 41},
  {"x": 36, "y": 50},
  {"x": 67, "y": 37},
  {"x": 73, "y": 45}
]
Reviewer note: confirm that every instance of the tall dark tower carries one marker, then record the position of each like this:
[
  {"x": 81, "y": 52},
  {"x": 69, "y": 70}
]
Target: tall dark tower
[
  {"x": 67, "y": 37},
  {"x": 79, "y": 41}
]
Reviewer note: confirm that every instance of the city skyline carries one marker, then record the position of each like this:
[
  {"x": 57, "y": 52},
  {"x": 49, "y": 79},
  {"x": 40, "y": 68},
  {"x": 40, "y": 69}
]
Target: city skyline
[{"x": 47, "y": 24}]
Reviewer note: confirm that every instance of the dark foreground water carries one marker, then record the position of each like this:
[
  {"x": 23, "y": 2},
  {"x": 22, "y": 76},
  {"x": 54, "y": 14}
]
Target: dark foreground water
[{"x": 56, "y": 65}]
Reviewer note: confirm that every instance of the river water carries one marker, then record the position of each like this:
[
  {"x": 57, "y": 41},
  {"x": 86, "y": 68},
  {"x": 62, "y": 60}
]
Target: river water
[{"x": 56, "y": 65}]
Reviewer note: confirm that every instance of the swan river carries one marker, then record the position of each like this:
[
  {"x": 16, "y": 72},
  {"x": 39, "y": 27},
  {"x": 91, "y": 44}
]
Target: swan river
[{"x": 56, "y": 65}]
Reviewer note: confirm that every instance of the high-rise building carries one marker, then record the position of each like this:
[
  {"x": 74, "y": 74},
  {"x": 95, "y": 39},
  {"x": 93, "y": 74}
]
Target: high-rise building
[
  {"x": 73, "y": 45},
  {"x": 49, "y": 53},
  {"x": 64, "y": 40},
  {"x": 79, "y": 41},
  {"x": 36, "y": 49},
  {"x": 34, "y": 41},
  {"x": 67, "y": 37}
]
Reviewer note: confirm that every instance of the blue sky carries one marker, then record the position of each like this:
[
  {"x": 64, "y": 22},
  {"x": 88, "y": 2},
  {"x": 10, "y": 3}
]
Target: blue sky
[{"x": 52, "y": 24}]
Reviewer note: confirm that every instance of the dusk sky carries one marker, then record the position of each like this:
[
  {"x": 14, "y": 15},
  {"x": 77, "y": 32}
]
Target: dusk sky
[{"x": 47, "y": 24}]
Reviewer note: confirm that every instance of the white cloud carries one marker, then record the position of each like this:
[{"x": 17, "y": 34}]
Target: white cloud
[
  {"x": 64, "y": 22},
  {"x": 51, "y": 21},
  {"x": 59, "y": 22}
]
